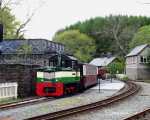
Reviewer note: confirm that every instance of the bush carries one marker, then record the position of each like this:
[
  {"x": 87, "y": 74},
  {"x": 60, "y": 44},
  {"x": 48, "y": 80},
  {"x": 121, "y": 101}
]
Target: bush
[
  {"x": 115, "y": 68},
  {"x": 122, "y": 77},
  {"x": 125, "y": 78}
]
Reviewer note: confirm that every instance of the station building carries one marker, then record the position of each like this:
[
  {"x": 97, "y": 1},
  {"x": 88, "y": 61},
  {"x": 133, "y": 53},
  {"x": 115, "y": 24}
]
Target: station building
[
  {"x": 136, "y": 63},
  {"x": 28, "y": 51},
  {"x": 19, "y": 59}
]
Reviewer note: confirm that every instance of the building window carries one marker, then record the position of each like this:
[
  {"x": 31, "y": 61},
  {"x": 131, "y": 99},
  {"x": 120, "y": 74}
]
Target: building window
[
  {"x": 141, "y": 59},
  {"x": 144, "y": 59},
  {"x": 51, "y": 63},
  {"x": 44, "y": 62},
  {"x": 53, "y": 46},
  {"x": 148, "y": 59},
  {"x": 135, "y": 59},
  {"x": 59, "y": 48},
  {"x": 62, "y": 48},
  {"x": 132, "y": 61}
]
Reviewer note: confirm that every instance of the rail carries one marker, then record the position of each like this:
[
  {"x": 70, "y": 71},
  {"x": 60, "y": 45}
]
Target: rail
[
  {"x": 132, "y": 88},
  {"x": 144, "y": 114},
  {"x": 24, "y": 102}
]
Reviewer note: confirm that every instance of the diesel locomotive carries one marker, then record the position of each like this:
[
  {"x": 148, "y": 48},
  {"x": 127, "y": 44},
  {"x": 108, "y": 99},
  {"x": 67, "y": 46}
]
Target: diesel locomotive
[{"x": 65, "y": 78}]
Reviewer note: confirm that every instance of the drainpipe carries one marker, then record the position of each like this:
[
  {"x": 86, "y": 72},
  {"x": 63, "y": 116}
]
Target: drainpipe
[{"x": 1, "y": 32}]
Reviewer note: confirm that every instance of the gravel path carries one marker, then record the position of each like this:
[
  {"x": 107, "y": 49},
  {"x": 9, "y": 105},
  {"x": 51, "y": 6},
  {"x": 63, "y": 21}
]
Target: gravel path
[
  {"x": 89, "y": 96},
  {"x": 122, "y": 110}
]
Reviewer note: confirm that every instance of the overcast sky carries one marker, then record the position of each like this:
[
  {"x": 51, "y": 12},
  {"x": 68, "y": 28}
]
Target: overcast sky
[{"x": 53, "y": 15}]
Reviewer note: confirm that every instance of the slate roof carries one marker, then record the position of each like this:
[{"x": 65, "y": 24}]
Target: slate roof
[
  {"x": 137, "y": 50},
  {"x": 104, "y": 61},
  {"x": 39, "y": 46},
  {"x": 10, "y": 46}
]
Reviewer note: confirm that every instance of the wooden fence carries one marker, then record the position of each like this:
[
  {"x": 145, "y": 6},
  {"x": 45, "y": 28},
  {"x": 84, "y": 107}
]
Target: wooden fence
[{"x": 8, "y": 90}]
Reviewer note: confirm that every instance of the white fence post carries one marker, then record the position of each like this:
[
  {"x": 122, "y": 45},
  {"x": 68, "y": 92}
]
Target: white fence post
[{"x": 8, "y": 90}]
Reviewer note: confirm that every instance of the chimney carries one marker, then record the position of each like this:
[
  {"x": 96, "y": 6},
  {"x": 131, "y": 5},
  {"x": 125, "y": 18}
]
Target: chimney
[{"x": 1, "y": 32}]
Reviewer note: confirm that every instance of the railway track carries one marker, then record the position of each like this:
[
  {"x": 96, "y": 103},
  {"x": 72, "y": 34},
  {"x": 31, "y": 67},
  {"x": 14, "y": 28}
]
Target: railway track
[
  {"x": 132, "y": 88},
  {"x": 24, "y": 102},
  {"x": 144, "y": 115}
]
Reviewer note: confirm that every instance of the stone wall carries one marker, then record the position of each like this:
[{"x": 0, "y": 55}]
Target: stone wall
[{"x": 23, "y": 75}]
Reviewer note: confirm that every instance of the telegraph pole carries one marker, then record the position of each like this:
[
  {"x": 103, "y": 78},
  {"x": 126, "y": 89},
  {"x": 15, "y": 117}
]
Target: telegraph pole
[{"x": 99, "y": 83}]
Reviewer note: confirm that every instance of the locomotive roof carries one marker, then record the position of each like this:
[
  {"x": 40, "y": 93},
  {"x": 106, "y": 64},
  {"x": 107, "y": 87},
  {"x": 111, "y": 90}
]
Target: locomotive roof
[{"x": 53, "y": 69}]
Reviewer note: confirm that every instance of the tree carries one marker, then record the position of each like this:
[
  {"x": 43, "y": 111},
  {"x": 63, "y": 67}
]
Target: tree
[
  {"x": 9, "y": 22},
  {"x": 28, "y": 17},
  {"x": 116, "y": 33},
  {"x": 79, "y": 44},
  {"x": 111, "y": 33},
  {"x": 116, "y": 67},
  {"x": 141, "y": 37},
  {"x": 12, "y": 27}
]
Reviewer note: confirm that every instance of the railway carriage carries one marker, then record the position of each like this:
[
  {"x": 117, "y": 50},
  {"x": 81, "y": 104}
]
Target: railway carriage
[{"x": 89, "y": 75}]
